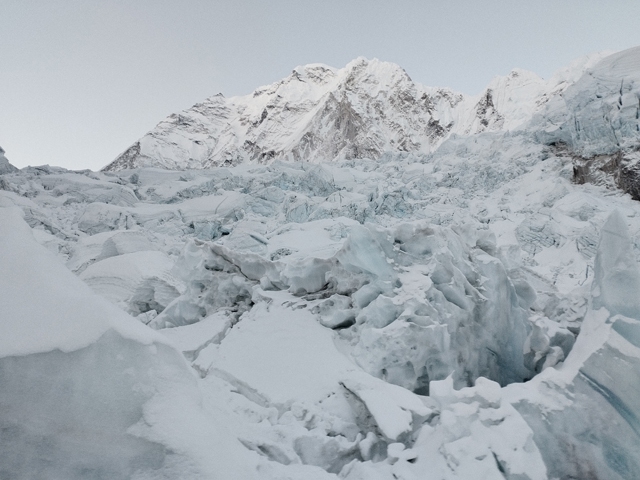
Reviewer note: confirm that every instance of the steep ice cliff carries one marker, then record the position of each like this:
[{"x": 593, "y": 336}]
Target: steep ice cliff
[{"x": 585, "y": 413}]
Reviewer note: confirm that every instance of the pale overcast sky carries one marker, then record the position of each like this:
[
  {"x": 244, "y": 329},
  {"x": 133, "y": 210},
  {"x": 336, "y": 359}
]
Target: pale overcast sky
[{"x": 80, "y": 80}]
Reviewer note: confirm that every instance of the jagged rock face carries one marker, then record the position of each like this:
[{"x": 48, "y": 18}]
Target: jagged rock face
[
  {"x": 629, "y": 176},
  {"x": 316, "y": 113},
  {"x": 320, "y": 114},
  {"x": 619, "y": 169}
]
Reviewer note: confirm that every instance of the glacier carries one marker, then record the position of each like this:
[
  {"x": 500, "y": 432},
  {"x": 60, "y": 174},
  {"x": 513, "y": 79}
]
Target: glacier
[{"x": 344, "y": 274}]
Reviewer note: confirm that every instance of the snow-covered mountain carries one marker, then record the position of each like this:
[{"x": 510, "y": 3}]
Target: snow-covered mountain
[
  {"x": 320, "y": 114},
  {"x": 371, "y": 108},
  {"x": 434, "y": 287}
]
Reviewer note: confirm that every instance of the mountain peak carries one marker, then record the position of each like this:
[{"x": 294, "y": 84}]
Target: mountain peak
[
  {"x": 318, "y": 73},
  {"x": 363, "y": 67},
  {"x": 367, "y": 108}
]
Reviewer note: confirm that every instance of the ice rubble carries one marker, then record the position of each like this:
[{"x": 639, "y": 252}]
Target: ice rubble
[
  {"x": 5, "y": 166},
  {"x": 86, "y": 391},
  {"x": 464, "y": 313},
  {"x": 310, "y": 336}
]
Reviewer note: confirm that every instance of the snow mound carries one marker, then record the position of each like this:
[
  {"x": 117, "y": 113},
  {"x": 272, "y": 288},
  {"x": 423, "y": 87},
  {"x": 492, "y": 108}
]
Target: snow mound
[
  {"x": 598, "y": 381},
  {"x": 67, "y": 316},
  {"x": 138, "y": 281}
]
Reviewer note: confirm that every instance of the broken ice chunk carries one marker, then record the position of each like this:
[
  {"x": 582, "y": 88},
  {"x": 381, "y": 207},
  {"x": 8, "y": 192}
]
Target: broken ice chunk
[
  {"x": 379, "y": 313},
  {"x": 393, "y": 408}
]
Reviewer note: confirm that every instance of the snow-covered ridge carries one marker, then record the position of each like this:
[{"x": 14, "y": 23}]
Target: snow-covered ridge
[{"x": 319, "y": 114}]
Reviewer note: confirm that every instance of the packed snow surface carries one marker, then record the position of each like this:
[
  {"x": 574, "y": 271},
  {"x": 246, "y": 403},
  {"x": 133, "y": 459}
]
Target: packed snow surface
[{"x": 343, "y": 275}]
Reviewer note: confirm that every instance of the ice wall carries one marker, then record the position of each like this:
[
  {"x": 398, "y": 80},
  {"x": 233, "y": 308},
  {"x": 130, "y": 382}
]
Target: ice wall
[
  {"x": 617, "y": 278},
  {"x": 598, "y": 113}
]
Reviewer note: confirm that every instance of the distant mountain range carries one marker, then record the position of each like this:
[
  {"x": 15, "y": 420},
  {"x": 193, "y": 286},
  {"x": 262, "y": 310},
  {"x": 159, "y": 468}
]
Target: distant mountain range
[
  {"x": 342, "y": 276},
  {"x": 368, "y": 108}
]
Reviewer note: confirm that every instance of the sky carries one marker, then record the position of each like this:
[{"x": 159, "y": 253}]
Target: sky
[{"x": 81, "y": 80}]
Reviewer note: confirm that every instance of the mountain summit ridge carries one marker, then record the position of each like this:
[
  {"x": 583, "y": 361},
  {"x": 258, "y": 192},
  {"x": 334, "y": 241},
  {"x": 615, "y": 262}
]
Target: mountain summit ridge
[
  {"x": 468, "y": 313},
  {"x": 366, "y": 109}
]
